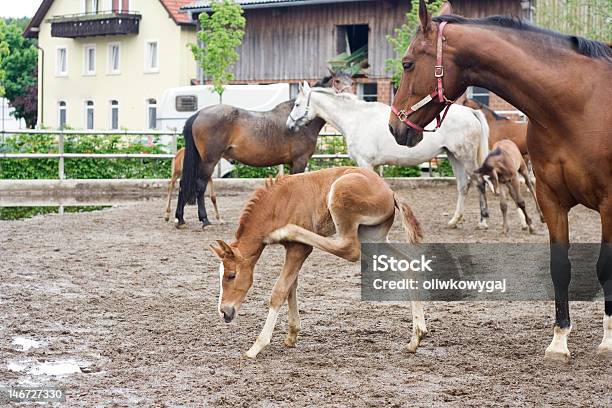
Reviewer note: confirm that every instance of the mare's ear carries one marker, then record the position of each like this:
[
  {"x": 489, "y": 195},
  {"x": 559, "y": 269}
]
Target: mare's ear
[
  {"x": 424, "y": 16},
  {"x": 446, "y": 8}
]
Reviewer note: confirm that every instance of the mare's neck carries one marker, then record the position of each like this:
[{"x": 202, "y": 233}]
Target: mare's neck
[{"x": 521, "y": 67}]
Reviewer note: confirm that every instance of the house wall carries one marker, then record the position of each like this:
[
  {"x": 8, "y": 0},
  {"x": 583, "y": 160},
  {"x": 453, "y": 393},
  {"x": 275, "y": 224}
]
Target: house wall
[{"x": 133, "y": 86}]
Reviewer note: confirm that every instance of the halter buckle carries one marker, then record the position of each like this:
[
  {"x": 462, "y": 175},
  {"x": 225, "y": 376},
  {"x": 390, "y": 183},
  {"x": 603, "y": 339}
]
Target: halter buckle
[
  {"x": 402, "y": 115},
  {"x": 439, "y": 71}
]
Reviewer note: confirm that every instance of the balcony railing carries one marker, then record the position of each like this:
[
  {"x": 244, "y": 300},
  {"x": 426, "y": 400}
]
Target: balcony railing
[{"x": 95, "y": 24}]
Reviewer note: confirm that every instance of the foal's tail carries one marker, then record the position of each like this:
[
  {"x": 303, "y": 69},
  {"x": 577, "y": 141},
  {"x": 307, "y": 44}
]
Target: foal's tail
[
  {"x": 191, "y": 164},
  {"x": 483, "y": 146},
  {"x": 414, "y": 233}
]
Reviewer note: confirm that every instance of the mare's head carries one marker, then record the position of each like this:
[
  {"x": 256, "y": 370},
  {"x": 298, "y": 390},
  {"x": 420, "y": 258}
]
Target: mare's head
[
  {"x": 301, "y": 114},
  {"x": 235, "y": 279},
  {"x": 420, "y": 79}
]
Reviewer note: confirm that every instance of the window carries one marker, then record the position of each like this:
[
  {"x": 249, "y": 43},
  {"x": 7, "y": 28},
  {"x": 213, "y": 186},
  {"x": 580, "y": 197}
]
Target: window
[
  {"x": 351, "y": 38},
  {"x": 61, "y": 115},
  {"x": 114, "y": 115},
  {"x": 89, "y": 65},
  {"x": 368, "y": 92},
  {"x": 479, "y": 94},
  {"x": 90, "y": 6},
  {"x": 151, "y": 56},
  {"x": 152, "y": 114},
  {"x": 61, "y": 62},
  {"x": 186, "y": 103},
  {"x": 120, "y": 5},
  {"x": 89, "y": 115},
  {"x": 114, "y": 56}
]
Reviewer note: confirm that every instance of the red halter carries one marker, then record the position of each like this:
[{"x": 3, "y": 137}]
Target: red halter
[{"x": 439, "y": 92}]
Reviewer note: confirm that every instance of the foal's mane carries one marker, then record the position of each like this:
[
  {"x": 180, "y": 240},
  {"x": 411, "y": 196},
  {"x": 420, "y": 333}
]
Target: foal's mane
[
  {"x": 256, "y": 201},
  {"x": 583, "y": 46}
]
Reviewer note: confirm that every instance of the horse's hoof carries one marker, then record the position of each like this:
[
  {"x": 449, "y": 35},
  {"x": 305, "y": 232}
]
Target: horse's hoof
[
  {"x": 451, "y": 225},
  {"x": 205, "y": 223},
  {"x": 290, "y": 342},
  {"x": 482, "y": 226},
  {"x": 180, "y": 224},
  {"x": 167, "y": 218},
  {"x": 557, "y": 356},
  {"x": 605, "y": 350},
  {"x": 249, "y": 355}
]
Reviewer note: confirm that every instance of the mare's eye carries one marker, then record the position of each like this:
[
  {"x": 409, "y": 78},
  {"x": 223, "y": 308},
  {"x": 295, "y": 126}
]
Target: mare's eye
[
  {"x": 408, "y": 65},
  {"x": 231, "y": 276}
]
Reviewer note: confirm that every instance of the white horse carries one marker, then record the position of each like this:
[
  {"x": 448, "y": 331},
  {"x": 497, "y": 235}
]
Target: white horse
[{"x": 463, "y": 136}]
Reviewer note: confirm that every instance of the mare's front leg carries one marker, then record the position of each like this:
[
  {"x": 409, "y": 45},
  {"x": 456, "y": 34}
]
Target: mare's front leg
[{"x": 295, "y": 256}]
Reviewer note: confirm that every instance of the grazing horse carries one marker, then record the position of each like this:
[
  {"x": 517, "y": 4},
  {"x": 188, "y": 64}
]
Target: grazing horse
[
  {"x": 500, "y": 127},
  {"x": 256, "y": 139},
  {"x": 177, "y": 171},
  {"x": 364, "y": 126},
  {"x": 301, "y": 212},
  {"x": 562, "y": 84},
  {"x": 503, "y": 166}
]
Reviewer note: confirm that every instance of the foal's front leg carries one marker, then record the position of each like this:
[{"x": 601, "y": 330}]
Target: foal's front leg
[{"x": 294, "y": 258}]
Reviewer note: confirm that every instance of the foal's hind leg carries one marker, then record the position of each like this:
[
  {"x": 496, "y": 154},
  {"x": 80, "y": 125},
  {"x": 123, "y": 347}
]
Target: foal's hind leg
[
  {"x": 295, "y": 256},
  {"x": 213, "y": 199},
  {"x": 170, "y": 189},
  {"x": 525, "y": 173},
  {"x": 515, "y": 192}
]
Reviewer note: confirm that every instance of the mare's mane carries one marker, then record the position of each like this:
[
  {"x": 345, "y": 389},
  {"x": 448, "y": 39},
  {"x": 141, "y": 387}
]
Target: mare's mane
[{"x": 583, "y": 46}]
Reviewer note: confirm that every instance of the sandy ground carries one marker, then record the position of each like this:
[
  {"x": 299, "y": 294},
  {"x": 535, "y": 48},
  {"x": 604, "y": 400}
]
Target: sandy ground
[{"x": 132, "y": 301}]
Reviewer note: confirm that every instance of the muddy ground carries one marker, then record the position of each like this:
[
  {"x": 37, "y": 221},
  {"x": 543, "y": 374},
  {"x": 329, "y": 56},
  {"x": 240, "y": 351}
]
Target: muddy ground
[{"x": 132, "y": 301}]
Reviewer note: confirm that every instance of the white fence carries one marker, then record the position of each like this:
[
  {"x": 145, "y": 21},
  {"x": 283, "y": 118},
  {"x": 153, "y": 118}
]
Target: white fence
[{"x": 171, "y": 147}]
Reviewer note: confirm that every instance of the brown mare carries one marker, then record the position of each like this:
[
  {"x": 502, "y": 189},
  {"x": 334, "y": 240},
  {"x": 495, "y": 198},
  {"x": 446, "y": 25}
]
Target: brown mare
[
  {"x": 177, "y": 171},
  {"x": 500, "y": 127},
  {"x": 562, "y": 83},
  {"x": 503, "y": 165},
  {"x": 256, "y": 139},
  {"x": 301, "y": 212}
]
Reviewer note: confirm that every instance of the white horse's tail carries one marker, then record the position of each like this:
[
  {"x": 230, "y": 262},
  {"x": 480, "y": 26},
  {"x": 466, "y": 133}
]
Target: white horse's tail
[{"x": 483, "y": 147}]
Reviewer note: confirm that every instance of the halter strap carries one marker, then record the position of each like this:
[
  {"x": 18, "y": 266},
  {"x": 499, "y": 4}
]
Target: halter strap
[{"x": 403, "y": 114}]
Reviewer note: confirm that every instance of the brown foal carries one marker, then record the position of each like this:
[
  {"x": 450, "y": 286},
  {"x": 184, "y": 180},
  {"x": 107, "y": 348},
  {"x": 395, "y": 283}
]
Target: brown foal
[
  {"x": 503, "y": 165},
  {"x": 300, "y": 212},
  {"x": 562, "y": 83}
]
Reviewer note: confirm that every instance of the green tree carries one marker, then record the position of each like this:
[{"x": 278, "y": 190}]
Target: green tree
[
  {"x": 589, "y": 18},
  {"x": 20, "y": 68},
  {"x": 4, "y": 50},
  {"x": 403, "y": 35},
  {"x": 221, "y": 33}
]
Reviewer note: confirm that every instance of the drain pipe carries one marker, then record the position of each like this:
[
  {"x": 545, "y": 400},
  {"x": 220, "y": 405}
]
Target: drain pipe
[{"x": 41, "y": 84}]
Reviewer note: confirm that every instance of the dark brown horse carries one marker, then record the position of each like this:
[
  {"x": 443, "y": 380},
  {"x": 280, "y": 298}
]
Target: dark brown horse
[
  {"x": 562, "y": 83},
  {"x": 256, "y": 139}
]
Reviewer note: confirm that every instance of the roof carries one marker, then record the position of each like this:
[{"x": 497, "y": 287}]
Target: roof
[
  {"x": 173, "y": 7},
  {"x": 204, "y": 5}
]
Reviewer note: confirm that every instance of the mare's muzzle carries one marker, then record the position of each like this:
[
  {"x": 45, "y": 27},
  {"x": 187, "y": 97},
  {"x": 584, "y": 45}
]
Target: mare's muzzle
[{"x": 405, "y": 136}]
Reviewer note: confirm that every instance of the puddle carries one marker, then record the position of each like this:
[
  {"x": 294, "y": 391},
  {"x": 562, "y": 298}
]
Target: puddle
[
  {"x": 52, "y": 368},
  {"x": 19, "y": 213},
  {"x": 25, "y": 344}
]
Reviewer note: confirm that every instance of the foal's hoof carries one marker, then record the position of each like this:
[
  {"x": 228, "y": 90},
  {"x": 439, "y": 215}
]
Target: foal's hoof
[
  {"x": 180, "y": 224},
  {"x": 604, "y": 350},
  {"x": 205, "y": 223},
  {"x": 482, "y": 225},
  {"x": 289, "y": 342},
  {"x": 166, "y": 218}
]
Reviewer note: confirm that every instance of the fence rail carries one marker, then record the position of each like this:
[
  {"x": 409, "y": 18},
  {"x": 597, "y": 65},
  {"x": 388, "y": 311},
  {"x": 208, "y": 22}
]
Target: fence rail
[{"x": 62, "y": 155}]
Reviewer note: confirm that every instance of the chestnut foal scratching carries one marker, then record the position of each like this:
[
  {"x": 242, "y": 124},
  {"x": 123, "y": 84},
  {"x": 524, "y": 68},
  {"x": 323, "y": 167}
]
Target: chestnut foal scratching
[
  {"x": 503, "y": 165},
  {"x": 562, "y": 83},
  {"x": 300, "y": 212}
]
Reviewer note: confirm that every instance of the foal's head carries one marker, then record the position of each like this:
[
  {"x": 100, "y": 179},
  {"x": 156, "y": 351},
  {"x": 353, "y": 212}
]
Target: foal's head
[
  {"x": 419, "y": 79},
  {"x": 235, "y": 279}
]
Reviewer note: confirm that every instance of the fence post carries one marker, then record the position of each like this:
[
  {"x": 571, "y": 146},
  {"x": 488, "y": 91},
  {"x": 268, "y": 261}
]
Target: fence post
[
  {"x": 60, "y": 143},
  {"x": 174, "y": 147}
]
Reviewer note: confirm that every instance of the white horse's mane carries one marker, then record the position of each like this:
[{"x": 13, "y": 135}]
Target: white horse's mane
[{"x": 332, "y": 92}]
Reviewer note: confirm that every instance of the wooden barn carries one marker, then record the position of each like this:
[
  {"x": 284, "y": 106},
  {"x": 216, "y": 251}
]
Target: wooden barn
[{"x": 293, "y": 40}]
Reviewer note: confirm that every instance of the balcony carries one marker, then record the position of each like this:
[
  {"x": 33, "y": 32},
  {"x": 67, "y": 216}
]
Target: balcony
[{"x": 95, "y": 24}]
